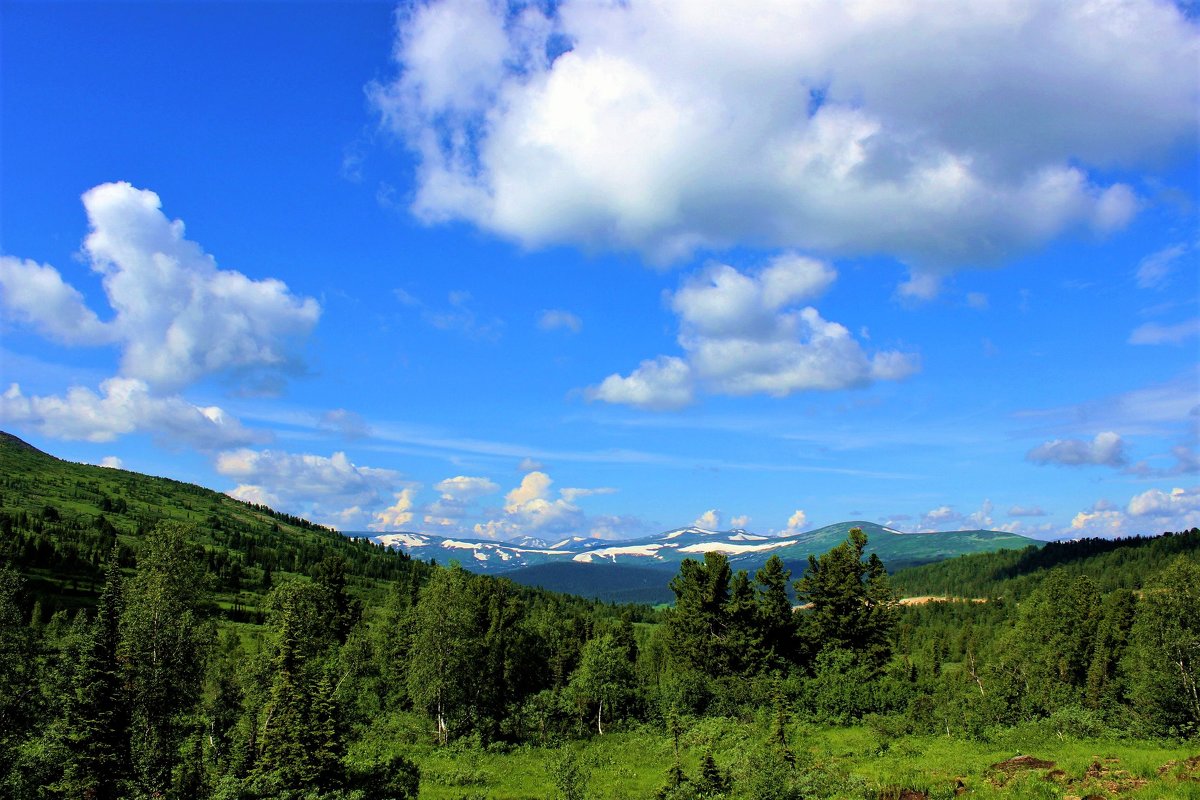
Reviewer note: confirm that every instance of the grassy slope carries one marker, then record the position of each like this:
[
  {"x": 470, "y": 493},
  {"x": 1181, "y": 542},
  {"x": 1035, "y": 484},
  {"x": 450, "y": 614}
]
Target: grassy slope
[
  {"x": 131, "y": 503},
  {"x": 856, "y": 760}
]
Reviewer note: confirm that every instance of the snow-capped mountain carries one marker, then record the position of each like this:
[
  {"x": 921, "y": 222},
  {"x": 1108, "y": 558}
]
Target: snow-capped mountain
[{"x": 665, "y": 551}]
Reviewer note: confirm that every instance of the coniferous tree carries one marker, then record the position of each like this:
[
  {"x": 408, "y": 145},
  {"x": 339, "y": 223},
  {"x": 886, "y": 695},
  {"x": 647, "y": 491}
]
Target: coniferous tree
[
  {"x": 852, "y": 605},
  {"x": 299, "y": 741},
  {"x": 775, "y": 613},
  {"x": 97, "y": 715},
  {"x": 697, "y": 627},
  {"x": 163, "y": 645}
]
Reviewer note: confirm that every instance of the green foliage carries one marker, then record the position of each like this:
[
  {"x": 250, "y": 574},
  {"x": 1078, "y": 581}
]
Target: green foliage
[
  {"x": 1164, "y": 657},
  {"x": 154, "y": 676},
  {"x": 853, "y": 607},
  {"x": 164, "y": 643}
]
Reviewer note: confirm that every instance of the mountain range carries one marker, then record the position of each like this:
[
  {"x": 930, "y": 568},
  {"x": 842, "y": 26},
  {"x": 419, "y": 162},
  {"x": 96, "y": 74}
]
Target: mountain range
[{"x": 638, "y": 570}]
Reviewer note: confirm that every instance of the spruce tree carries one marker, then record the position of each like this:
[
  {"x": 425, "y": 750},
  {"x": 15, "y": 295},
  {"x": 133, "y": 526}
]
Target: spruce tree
[
  {"x": 163, "y": 645},
  {"x": 97, "y": 716}
]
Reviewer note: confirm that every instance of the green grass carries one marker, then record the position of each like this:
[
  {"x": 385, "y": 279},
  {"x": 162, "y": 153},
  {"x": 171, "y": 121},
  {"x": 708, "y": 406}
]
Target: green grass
[{"x": 854, "y": 761}]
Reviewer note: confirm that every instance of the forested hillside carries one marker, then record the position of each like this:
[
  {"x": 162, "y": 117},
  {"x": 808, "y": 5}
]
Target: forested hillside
[
  {"x": 373, "y": 676},
  {"x": 1111, "y": 563}
]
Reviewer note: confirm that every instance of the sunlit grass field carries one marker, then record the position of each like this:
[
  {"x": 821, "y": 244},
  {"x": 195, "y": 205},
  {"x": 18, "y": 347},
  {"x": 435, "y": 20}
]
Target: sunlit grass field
[{"x": 854, "y": 762}]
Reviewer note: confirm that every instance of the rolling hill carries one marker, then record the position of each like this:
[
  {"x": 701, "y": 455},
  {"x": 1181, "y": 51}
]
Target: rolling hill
[{"x": 61, "y": 520}]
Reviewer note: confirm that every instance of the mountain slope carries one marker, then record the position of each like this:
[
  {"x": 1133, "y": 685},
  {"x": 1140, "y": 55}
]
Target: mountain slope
[
  {"x": 609, "y": 583},
  {"x": 60, "y": 521}
]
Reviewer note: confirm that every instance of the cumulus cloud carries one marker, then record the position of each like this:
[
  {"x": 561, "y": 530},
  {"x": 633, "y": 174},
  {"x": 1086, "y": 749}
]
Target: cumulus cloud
[
  {"x": 742, "y": 334},
  {"x": 321, "y": 488},
  {"x": 1147, "y": 513},
  {"x": 739, "y": 522},
  {"x": 1156, "y": 503},
  {"x": 661, "y": 383},
  {"x": 36, "y": 295},
  {"x": 396, "y": 516},
  {"x": 124, "y": 406},
  {"x": 1107, "y": 449},
  {"x": 796, "y": 522},
  {"x": 531, "y": 508},
  {"x": 945, "y": 135},
  {"x": 177, "y": 316},
  {"x": 111, "y": 462},
  {"x": 1154, "y": 333},
  {"x": 710, "y": 520},
  {"x": 454, "y": 501},
  {"x": 556, "y": 319}
]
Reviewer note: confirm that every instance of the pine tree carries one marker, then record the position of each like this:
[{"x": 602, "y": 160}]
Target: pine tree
[
  {"x": 852, "y": 605},
  {"x": 163, "y": 645},
  {"x": 777, "y": 620},
  {"x": 97, "y": 716},
  {"x": 697, "y": 627}
]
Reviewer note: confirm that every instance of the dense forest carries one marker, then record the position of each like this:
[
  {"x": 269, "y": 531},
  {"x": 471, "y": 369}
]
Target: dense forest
[{"x": 217, "y": 650}]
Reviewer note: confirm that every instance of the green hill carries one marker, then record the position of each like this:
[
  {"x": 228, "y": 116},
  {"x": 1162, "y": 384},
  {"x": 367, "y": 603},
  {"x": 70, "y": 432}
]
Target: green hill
[
  {"x": 1112, "y": 563},
  {"x": 60, "y": 521},
  {"x": 898, "y": 550}
]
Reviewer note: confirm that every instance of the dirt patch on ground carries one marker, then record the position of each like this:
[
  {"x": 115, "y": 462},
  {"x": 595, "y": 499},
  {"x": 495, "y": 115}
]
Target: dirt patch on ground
[
  {"x": 1002, "y": 771},
  {"x": 921, "y": 600},
  {"x": 1186, "y": 770},
  {"x": 896, "y": 793},
  {"x": 1106, "y": 774},
  {"x": 1018, "y": 763}
]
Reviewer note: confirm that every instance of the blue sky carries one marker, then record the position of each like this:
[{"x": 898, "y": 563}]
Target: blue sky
[{"x": 478, "y": 269}]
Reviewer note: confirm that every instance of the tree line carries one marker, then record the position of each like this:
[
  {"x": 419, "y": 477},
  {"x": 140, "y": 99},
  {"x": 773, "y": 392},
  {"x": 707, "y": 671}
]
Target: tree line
[{"x": 154, "y": 693}]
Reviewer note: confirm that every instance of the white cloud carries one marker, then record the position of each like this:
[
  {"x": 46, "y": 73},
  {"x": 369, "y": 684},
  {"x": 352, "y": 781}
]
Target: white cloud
[
  {"x": 661, "y": 383},
  {"x": 796, "y": 522},
  {"x": 945, "y": 135},
  {"x": 742, "y": 335},
  {"x": 531, "y": 509},
  {"x": 710, "y": 520},
  {"x": 463, "y": 487},
  {"x": 1107, "y": 449},
  {"x": 556, "y": 319},
  {"x": 1154, "y": 333},
  {"x": 530, "y": 465},
  {"x": 124, "y": 406},
  {"x": 112, "y": 462},
  {"x": 396, "y": 516},
  {"x": 739, "y": 522},
  {"x": 1155, "y": 270},
  {"x": 1156, "y": 503},
  {"x": 176, "y": 317},
  {"x": 35, "y": 295},
  {"x": 321, "y": 488},
  {"x": 1148, "y": 513}
]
